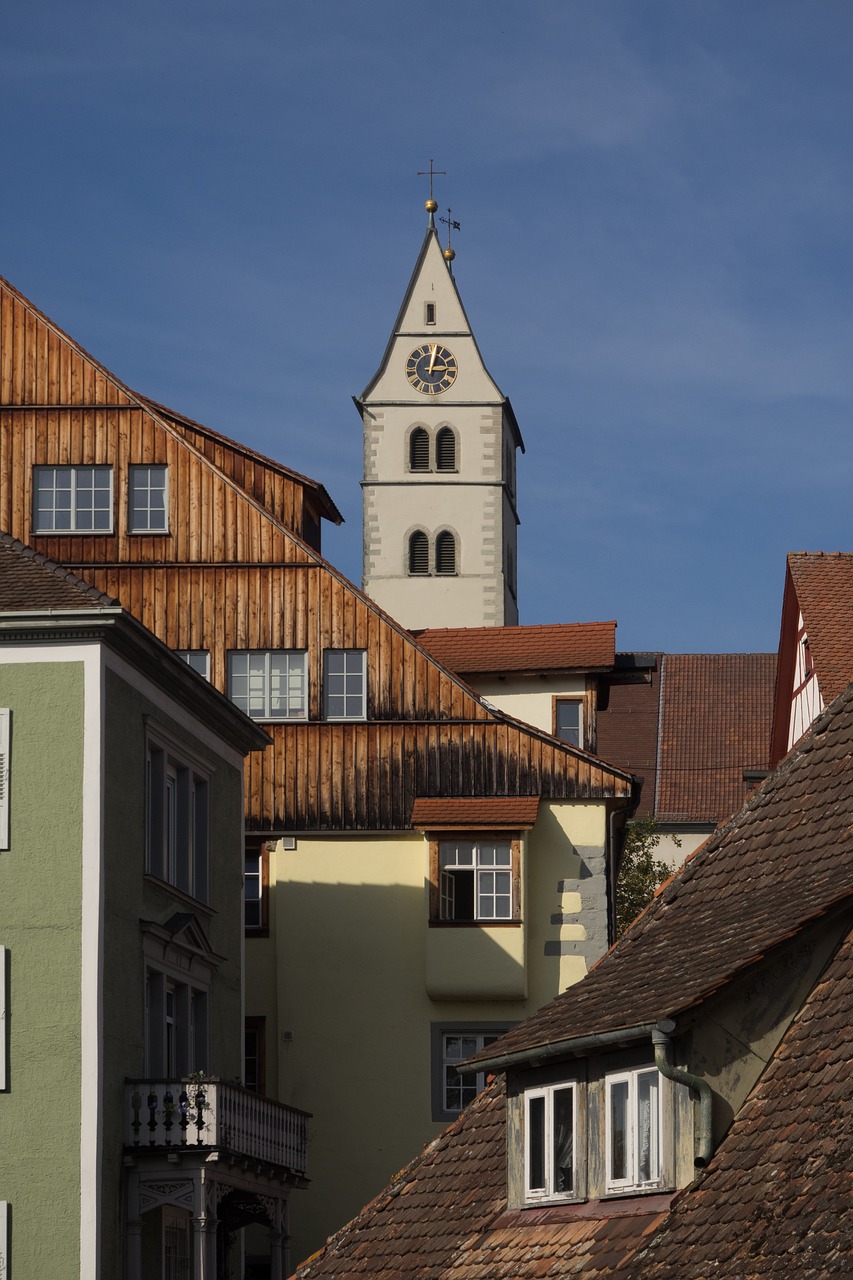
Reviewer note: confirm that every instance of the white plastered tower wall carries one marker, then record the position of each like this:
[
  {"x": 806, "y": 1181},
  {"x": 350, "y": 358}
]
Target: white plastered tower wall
[{"x": 475, "y": 501}]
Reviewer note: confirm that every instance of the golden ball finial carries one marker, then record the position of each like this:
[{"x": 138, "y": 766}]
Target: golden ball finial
[
  {"x": 449, "y": 254},
  {"x": 431, "y": 206}
]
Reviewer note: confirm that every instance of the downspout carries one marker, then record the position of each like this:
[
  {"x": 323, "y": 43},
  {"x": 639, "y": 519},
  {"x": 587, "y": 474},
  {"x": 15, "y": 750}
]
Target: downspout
[{"x": 703, "y": 1144}]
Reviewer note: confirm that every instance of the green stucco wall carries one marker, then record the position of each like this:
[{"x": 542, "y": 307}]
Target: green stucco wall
[
  {"x": 40, "y": 924},
  {"x": 130, "y": 896}
]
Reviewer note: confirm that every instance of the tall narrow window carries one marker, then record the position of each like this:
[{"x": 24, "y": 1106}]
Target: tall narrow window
[
  {"x": 345, "y": 684},
  {"x": 72, "y": 500},
  {"x": 419, "y": 450},
  {"x": 549, "y": 1142},
  {"x": 178, "y": 830},
  {"x": 445, "y": 553},
  {"x": 568, "y": 720},
  {"x": 418, "y": 553},
  {"x": 445, "y": 450},
  {"x": 633, "y": 1127},
  {"x": 256, "y": 888},
  {"x": 269, "y": 684},
  {"x": 147, "y": 500},
  {"x": 429, "y": 313},
  {"x": 253, "y": 1054}
]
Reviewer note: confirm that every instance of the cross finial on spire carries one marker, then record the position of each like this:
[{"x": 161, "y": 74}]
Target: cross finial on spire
[{"x": 431, "y": 204}]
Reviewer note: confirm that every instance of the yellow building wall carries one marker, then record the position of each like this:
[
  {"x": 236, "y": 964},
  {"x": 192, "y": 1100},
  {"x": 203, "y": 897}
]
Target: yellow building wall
[{"x": 343, "y": 983}]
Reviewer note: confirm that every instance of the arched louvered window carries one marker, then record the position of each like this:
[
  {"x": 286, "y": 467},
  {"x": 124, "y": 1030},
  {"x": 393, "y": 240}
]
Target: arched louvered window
[
  {"x": 445, "y": 450},
  {"x": 445, "y": 553},
  {"x": 418, "y": 553},
  {"x": 419, "y": 450}
]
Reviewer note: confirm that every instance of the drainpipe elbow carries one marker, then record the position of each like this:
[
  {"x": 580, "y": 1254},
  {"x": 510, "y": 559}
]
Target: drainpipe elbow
[{"x": 703, "y": 1140}]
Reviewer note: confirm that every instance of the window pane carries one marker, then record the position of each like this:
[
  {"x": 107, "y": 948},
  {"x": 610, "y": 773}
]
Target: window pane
[
  {"x": 563, "y": 1140},
  {"x": 568, "y": 717},
  {"x": 648, "y": 1154},
  {"x": 618, "y": 1104},
  {"x": 147, "y": 499},
  {"x": 536, "y": 1144}
]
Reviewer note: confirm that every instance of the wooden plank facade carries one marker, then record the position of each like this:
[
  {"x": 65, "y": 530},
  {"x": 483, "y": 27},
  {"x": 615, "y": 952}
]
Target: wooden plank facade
[{"x": 240, "y": 569}]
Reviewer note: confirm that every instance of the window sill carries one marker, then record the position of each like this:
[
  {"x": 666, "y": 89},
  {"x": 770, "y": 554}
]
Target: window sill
[
  {"x": 72, "y": 533},
  {"x": 567, "y": 1211},
  {"x": 149, "y": 533},
  {"x": 475, "y": 924},
  {"x": 195, "y": 903}
]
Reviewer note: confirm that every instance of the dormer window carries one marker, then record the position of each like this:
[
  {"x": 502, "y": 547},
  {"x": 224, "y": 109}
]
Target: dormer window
[
  {"x": 549, "y": 1142},
  {"x": 633, "y": 1130}
]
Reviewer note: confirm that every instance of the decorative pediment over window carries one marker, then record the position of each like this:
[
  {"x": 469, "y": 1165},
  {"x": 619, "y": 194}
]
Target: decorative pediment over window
[{"x": 180, "y": 939}]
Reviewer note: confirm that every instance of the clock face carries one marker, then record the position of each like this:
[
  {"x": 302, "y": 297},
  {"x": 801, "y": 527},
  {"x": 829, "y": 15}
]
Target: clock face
[{"x": 431, "y": 369}]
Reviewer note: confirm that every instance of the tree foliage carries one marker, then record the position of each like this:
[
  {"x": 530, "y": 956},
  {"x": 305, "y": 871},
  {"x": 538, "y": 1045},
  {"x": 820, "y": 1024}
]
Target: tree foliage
[{"x": 640, "y": 872}]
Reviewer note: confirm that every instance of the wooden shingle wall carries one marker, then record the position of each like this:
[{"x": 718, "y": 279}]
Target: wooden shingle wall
[{"x": 230, "y": 574}]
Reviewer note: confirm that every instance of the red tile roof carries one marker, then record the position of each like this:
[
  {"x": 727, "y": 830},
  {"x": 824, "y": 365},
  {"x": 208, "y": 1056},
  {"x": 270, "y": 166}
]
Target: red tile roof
[
  {"x": 571, "y": 646},
  {"x": 824, "y": 587},
  {"x": 480, "y": 812},
  {"x": 715, "y": 719},
  {"x": 29, "y": 580},
  {"x": 777, "y": 1199},
  {"x": 784, "y": 860},
  {"x": 443, "y": 1215}
]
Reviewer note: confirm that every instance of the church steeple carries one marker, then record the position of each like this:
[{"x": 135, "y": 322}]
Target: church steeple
[{"x": 440, "y": 443}]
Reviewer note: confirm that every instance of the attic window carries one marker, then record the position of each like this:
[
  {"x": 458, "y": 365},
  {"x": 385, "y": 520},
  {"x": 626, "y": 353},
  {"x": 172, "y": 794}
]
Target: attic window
[
  {"x": 633, "y": 1130},
  {"x": 808, "y": 662},
  {"x": 429, "y": 313},
  {"x": 549, "y": 1142}
]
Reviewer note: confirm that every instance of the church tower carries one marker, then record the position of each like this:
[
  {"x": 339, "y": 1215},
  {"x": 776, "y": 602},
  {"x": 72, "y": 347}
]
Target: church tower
[{"x": 440, "y": 443}]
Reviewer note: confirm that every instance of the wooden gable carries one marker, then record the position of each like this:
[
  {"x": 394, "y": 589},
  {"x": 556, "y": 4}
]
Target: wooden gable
[{"x": 232, "y": 574}]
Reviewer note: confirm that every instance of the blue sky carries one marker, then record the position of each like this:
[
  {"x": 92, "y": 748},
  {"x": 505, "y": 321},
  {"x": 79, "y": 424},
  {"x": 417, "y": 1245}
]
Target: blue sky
[{"x": 219, "y": 200}]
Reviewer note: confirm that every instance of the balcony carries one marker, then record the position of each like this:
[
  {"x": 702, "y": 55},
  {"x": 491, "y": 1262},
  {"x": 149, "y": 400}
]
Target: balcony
[{"x": 186, "y": 1116}]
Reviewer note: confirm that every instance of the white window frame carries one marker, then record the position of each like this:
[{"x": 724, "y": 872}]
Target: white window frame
[
  {"x": 139, "y": 516},
  {"x": 484, "y": 873},
  {"x": 177, "y": 845},
  {"x": 260, "y": 676},
  {"x": 354, "y": 668},
  {"x": 632, "y": 1179},
  {"x": 45, "y": 522},
  {"x": 197, "y": 659},
  {"x": 548, "y": 1191},
  {"x": 5, "y": 774},
  {"x": 444, "y": 1074}
]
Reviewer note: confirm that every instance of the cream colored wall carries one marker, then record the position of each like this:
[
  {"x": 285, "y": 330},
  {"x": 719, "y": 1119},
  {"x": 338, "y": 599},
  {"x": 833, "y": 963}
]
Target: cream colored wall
[
  {"x": 529, "y": 698},
  {"x": 343, "y": 984}
]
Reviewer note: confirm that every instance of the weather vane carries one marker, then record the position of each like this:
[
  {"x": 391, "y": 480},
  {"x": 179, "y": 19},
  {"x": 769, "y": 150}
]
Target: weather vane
[{"x": 449, "y": 222}]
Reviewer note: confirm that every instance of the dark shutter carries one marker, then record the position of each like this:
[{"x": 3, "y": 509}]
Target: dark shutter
[
  {"x": 418, "y": 553},
  {"x": 445, "y": 450},
  {"x": 419, "y": 450},
  {"x": 445, "y": 553}
]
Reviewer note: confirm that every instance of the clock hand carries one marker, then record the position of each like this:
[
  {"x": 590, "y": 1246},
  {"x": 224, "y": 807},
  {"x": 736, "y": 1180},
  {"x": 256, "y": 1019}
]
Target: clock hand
[{"x": 432, "y": 358}]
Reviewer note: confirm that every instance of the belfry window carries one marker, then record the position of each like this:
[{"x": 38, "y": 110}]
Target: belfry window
[
  {"x": 445, "y": 450},
  {"x": 445, "y": 553},
  {"x": 418, "y": 554},
  {"x": 419, "y": 450}
]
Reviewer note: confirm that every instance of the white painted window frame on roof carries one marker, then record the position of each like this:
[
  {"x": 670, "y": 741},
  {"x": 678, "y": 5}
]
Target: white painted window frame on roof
[
  {"x": 542, "y": 1172},
  {"x": 631, "y": 1176},
  {"x": 5, "y": 775}
]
